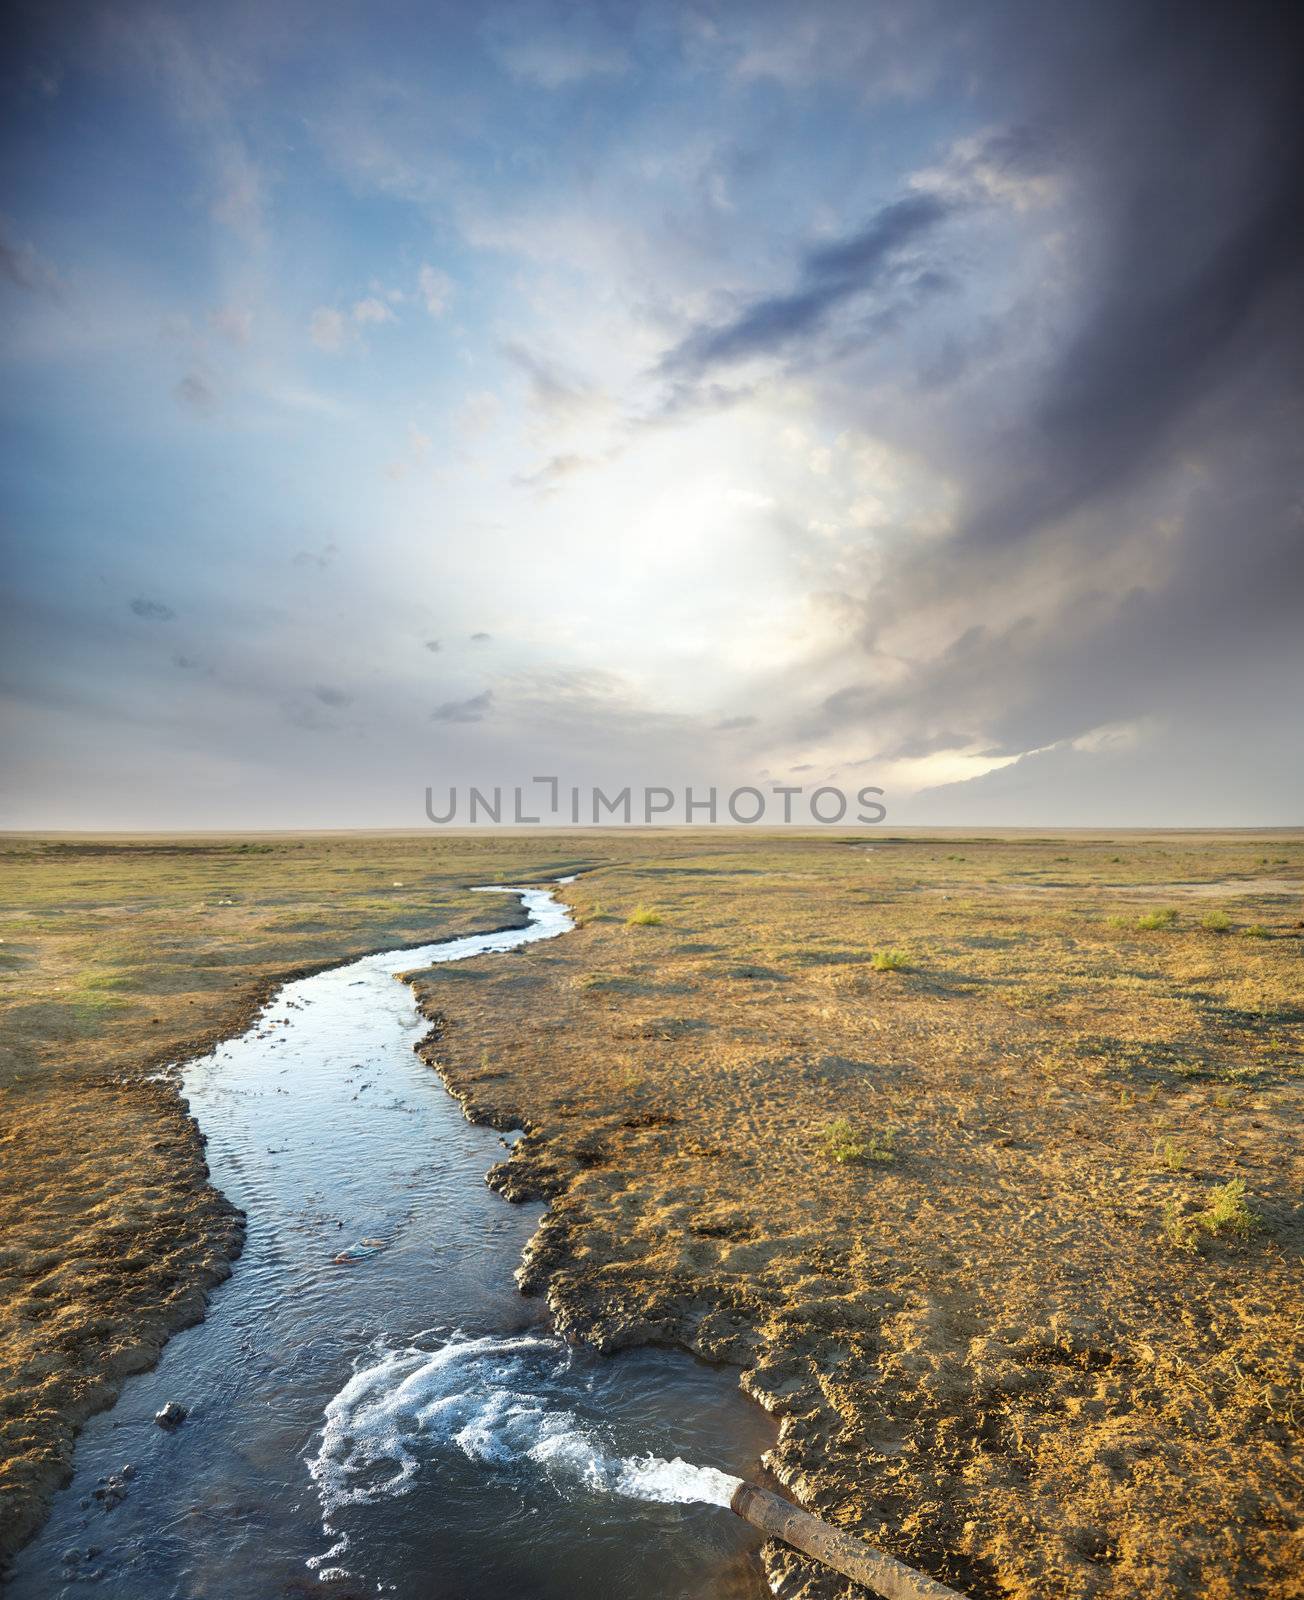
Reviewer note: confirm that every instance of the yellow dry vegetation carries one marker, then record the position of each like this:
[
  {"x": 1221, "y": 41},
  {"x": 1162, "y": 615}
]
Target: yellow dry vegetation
[{"x": 1003, "y": 1228}]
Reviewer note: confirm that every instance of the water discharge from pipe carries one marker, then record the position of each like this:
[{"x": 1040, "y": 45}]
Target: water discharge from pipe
[
  {"x": 520, "y": 1405},
  {"x": 510, "y": 1404},
  {"x": 513, "y": 1405}
]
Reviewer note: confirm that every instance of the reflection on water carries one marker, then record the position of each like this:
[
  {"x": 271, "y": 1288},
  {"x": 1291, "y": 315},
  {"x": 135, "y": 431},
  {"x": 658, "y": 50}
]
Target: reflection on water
[{"x": 372, "y": 1407}]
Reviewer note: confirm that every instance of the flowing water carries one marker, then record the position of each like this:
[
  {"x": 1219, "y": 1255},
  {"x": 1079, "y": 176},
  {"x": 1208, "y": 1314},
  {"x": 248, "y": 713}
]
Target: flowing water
[{"x": 372, "y": 1408}]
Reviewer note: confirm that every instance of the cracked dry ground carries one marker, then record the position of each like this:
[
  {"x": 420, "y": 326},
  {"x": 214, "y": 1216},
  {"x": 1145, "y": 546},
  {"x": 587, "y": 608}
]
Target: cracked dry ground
[{"x": 1009, "y": 1351}]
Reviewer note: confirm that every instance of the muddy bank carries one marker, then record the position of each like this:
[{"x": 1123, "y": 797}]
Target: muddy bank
[
  {"x": 113, "y": 1238},
  {"x": 151, "y": 1238},
  {"x": 1002, "y": 1338}
]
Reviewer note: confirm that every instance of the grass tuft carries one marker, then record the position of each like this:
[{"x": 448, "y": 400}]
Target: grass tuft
[
  {"x": 1178, "y": 1230},
  {"x": 1154, "y": 920},
  {"x": 892, "y": 960},
  {"x": 1170, "y": 1156},
  {"x": 847, "y": 1144},
  {"x": 1227, "y": 1215},
  {"x": 643, "y": 917}
]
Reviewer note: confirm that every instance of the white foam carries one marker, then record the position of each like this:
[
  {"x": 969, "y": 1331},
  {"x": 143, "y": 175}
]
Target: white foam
[
  {"x": 676, "y": 1482},
  {"x": 482, "y": 1397}
]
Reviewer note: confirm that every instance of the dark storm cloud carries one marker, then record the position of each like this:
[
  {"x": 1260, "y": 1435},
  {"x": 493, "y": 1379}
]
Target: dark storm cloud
[
  {"x": 911, "y": 748},
  {"x": 1203, "y": 243},
  {"x": 830, "y": 276},
  {"x": 474, "y": 709},
  {"x": 1135, "y": 470}
]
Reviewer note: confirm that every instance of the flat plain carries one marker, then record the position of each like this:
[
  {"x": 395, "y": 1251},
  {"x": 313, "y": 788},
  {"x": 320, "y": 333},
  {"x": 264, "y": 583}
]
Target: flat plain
[{"x": 977, "y": 1154}]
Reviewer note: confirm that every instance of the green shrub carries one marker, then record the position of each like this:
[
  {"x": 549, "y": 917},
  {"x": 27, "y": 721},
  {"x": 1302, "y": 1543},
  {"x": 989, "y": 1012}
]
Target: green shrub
[
  {"x": 1216, "y": 922},
  {"x": 882, "y": 1147},
  {"x": 642, "y": 917},
  {"x": 1227, "y": 1215},
  {"x": 892, "y": 960},
  {"x": 1153, "y": 920},
  {"x": 1169, "y": 1155},
  {"x": 846, "y": 1144},
  {"x": 841, "y": 1141},
  {"x": 1256, "y": 930}
]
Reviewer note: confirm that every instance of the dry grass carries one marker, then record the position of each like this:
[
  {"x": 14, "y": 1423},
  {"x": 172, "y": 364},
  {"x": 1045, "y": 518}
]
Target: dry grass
[{"x": 983, "y": 1350}]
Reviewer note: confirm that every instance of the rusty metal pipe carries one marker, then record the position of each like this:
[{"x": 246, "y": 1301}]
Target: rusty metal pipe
[{"x": 846, "y": 1554}]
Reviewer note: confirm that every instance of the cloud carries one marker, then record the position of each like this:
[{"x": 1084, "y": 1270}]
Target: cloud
[
  {"x": 555, "y": 46},
  {"x": 929, "y": 745},
  {"x": 321, "y": 559},
  {"x": 433, "y": 645},
  {"x": 234, "y": 323},
  {"x": 327, "y": 328},
  {"x": 1013, "y": 167},
  {"x": 240, "y": 199},
  {"x": 830, "y": 276},
  {"x": 478, "y": 412},
  {"x": 372, "y": 310},
  {"x": 474, "y": 709},
  {"x": 46, "y": 77},
  {"x": 331, "y": 696},
  {"x": 195, "y": 391},
  {"x": 551, "y": 474},
  {"x": 1133, "y": 397},
  {"x": 308, "y": 715},
  {"x": 151, "y": 610},
  {"x": 23, "y": 265},
  {"x": 960, "y": 480},
  {"x": 203, "y": 82},
  {"x": 887, "y": 52},
  {"x": 435, "y": 288},
  {"x": 419, "y": 444},
  {"x": 551, "y": 389},
  {"x": 481, "y": 638}
]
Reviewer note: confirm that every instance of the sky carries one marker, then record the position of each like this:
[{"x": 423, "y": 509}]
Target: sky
[{"x": 676, "y": 393}]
